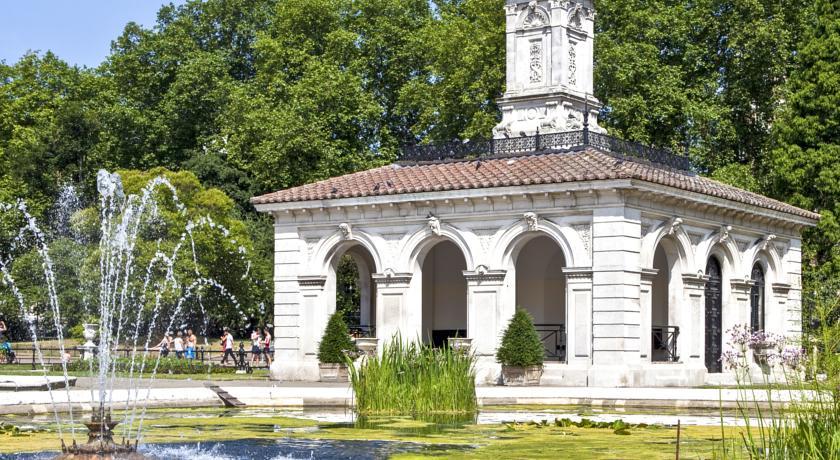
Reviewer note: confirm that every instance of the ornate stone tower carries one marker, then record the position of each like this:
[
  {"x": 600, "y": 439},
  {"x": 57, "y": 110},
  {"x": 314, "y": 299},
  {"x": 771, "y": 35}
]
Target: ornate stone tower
[{"x": 549, "y": 67}]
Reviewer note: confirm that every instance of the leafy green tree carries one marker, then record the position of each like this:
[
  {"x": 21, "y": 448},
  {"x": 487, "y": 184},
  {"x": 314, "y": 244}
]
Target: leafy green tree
[
  {"x": 521, "y": 345},
  {"x": 805, "y": 162}
]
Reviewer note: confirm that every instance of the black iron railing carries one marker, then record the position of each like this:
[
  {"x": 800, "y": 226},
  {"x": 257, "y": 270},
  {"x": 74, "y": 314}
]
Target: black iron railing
[
  {"x": 664, "y": 340},
  {"x": 553, "y": 337},
  {"x": 363, "y": 330},
  {"x": 544, "y": 143}
]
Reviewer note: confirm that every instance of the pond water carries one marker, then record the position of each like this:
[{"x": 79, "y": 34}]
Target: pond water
[
  {"x": 266, "y": 433},
  {"x": 247, "y": 449}
]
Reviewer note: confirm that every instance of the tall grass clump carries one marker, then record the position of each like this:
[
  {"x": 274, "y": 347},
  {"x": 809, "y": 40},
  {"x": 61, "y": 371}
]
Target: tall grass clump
[
  {"x": 413, "y": 379},
  {"x": 808, "y": 426}
]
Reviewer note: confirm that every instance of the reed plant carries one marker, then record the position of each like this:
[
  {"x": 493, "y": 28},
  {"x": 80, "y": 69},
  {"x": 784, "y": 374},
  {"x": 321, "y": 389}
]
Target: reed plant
[
  {"x": 807, "y": 426},
  {"x": 413, "y": 379}
]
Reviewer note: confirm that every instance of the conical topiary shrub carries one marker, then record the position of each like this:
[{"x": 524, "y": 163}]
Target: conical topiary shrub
[
  {"x": 333, "y": 349},
  {"x": 521, "y": 352},
  {"x": 336, "y": 341}
]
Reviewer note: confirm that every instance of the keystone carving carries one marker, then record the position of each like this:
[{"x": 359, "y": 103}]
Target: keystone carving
[
  {"x": 672, "y": 225},
  {"x": 434, "y": 225},
  {"x": 346, "y": 230},
  {"x": 532, "y": 220},
  {"x": 723, "y": 233}
]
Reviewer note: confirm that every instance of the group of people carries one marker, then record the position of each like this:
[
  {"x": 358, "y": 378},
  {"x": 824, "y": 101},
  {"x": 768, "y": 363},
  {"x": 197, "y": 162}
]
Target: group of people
[
  {"x": 183, "y": 344},
  {"x": 260, "y": 346}
]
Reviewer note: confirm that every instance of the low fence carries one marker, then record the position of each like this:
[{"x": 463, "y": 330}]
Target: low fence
[{"x": 52, "y": 356}]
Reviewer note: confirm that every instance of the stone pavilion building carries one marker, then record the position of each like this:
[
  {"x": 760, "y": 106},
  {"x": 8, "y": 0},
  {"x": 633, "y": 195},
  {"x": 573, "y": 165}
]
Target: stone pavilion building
[{"x": 632, "y": 265}]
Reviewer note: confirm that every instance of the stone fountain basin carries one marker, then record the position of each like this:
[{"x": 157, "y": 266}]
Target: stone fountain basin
[{"x": 33, "y": 382}]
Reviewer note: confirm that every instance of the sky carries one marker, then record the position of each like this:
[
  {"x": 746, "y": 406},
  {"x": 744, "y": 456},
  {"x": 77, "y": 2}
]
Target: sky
[{"x": 78, "y": 31}]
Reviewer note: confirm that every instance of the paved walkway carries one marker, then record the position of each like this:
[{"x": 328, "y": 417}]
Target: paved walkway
[{"x": 186, "y": 393}]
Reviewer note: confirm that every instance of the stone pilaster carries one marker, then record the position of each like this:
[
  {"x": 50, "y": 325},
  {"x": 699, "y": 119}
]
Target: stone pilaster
[
  {"x": 578, "y": 315},
  {"x": 392, "y": 314},
  {"x": 289, "y": 327},
  {"x": 487, "y": 316},
  {"x": 692, "y": 339},
  {"x": 646, "y": 300}
]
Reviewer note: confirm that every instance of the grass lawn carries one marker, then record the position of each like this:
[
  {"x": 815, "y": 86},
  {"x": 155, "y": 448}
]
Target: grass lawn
[
  {"x": 25, "y": 369},
  {"x": 479, "y": 441}
]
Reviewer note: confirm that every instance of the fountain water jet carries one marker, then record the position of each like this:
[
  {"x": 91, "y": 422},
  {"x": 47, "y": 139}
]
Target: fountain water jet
[{"x": 122, "y": 301}]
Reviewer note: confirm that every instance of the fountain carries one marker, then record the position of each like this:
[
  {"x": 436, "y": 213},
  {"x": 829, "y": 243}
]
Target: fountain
[{"x": 129, "y": 301}]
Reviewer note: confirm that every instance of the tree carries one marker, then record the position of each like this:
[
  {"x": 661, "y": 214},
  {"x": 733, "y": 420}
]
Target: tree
[{"x": 805, "y": 161}]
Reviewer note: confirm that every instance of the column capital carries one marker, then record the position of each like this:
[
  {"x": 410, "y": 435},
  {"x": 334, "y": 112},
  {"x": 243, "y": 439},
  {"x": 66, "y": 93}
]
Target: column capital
[
  {"x": 578, "y": 274},
  {"x": 742, "y": 285},
  {"x": 311, "y": 282},
  {"x": 390, "y": 278},
  {"x": 648, "y": 274},
  {"x": 695, "y": 280},
  {"x": 483, "y": 275}
]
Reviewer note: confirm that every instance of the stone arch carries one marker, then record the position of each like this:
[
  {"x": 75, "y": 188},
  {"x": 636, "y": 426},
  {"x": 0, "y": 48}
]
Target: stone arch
[
  {"x": 420, "y": 242},
  {"x": 768, "y": 260},
  {"x": 366, "y": 265},
  {"x": 678, "y": 241},
  {"x": 667, "y": 319},
  {"x": 727, "y": 253},
  {"x": 767, "y": 257},
  {"x": 514, "y": 237},
  {"x": 338, "y": 243}
]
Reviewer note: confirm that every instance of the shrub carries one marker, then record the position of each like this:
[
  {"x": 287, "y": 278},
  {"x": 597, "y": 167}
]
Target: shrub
[
  {"x": 336, "y": 341},
  {"x": 412, "y": 379},
  {"x": 521, "y": 345}
]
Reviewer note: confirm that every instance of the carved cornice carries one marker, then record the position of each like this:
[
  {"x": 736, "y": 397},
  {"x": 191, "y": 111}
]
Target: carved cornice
[
  {"x": 649, "y": 273},
  {"x": 578, "y": 273},
  {"x": 391, "y": 278},
  {"x": 312, "y": 281},
  {"x": 483, "y": 274},
  {"x": 695, "y": 280},
  {"x": 742, "y": 285}
]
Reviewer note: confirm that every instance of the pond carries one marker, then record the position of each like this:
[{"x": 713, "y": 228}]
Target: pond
[{"x": 537, "y": 432}]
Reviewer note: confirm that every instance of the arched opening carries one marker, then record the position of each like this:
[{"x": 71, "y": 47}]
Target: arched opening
[
  {"x": 541, "y": 290},
  {"x": 355, "y": 291},
  {"x": 664, "y": 331},
  {"x": 757, "y": 300},
  {"x": 444, "y": 294},
  {"x": 714, "y": 322}
]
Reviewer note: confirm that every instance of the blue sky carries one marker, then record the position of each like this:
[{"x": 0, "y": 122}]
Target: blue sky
[{"x": 78, "y": 31}]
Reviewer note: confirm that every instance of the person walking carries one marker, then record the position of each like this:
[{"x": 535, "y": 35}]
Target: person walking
[
  {"x": 227, "y": 343},
  {"x": 191, "y": 344},
  {"x": 256, "y": 348},
  {"x": 267, "y": 345},
  {"x": 178, "y": 345}
]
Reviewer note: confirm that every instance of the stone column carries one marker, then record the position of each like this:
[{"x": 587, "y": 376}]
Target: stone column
[
  {"x": 392, "y": 313},
  {"x": 692, "y": 339},
  {"x": 616, "y": 315},
  {"x": 646, "y": 299},
  {"x": 487, "y": 316}
]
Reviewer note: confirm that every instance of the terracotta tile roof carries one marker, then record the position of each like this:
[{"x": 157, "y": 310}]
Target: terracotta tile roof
[{"x": 551, "y": 168}]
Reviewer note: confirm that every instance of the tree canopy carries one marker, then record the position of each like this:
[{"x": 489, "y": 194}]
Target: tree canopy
[{"x": 251, "y": 96}]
